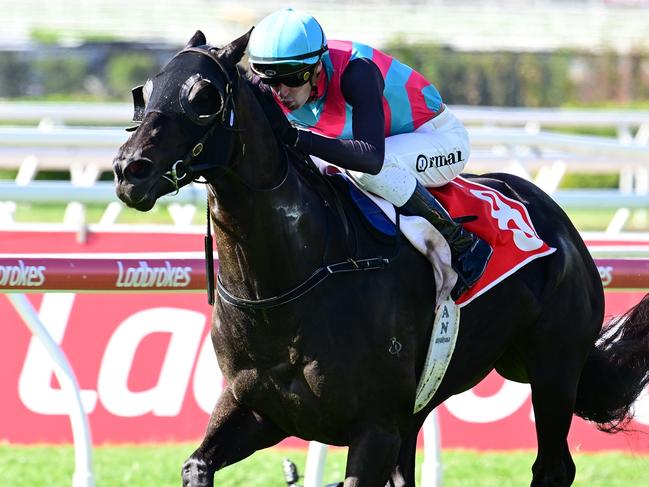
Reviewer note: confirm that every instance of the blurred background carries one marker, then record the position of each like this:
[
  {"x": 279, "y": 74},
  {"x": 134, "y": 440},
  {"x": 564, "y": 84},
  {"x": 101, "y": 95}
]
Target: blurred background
[
  {"x": 571, "y": 67},
  {"x": 556, "y": 91},
  {"x": 530, "y": 53}
]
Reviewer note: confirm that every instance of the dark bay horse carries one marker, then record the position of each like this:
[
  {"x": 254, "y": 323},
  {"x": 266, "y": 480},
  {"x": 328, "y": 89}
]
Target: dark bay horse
[{"x": 312, "y": 357}]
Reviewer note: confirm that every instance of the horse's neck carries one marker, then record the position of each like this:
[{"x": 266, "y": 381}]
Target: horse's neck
[{"x": 267, "y": 239}]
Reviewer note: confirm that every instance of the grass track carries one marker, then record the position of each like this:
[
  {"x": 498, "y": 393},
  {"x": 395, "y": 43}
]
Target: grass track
[{"x": 159, "y": 466}]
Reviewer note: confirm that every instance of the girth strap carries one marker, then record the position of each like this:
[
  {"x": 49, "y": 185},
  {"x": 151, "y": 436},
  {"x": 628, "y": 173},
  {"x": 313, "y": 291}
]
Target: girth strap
[{"x": 316, "y": 278}]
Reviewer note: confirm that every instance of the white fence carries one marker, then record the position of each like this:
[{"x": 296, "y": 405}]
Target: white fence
[
  {"x": 83, "y": 475},
  {"x": 503, "y": 139},
  {"x": 119, "y": 114}
]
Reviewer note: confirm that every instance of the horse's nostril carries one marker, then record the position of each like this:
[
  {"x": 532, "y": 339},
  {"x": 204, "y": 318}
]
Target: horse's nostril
[{"x": 138, "y": 169}]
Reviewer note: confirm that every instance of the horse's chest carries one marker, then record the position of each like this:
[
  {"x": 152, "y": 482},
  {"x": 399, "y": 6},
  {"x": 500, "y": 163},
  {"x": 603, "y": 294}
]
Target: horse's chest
[
  {"x": 285, "y": 378},
  {"x": 295, "y": 382},
  {"x": 289, "y": 392}
]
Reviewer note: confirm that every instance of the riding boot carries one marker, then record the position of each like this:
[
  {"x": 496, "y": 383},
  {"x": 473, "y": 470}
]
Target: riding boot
[{"x": 469, "y": 253}]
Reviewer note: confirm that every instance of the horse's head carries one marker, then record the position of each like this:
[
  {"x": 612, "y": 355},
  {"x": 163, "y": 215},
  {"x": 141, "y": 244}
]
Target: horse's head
[{"x": 186, "y": 123}]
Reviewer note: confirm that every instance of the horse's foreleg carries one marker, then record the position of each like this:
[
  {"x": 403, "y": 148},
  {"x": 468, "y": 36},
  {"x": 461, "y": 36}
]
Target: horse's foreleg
[
  {"x": 372, "y": 456},
  {"x": 403, "y": 474},
  {"x": 233, "y": 433}
]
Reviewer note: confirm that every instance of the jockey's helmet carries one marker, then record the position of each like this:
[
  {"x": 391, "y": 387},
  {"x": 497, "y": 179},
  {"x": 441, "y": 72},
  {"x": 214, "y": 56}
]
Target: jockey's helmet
[{"x": 285, "y": 47}]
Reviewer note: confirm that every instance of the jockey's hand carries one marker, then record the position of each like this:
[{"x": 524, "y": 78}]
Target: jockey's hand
[
  {"x": 282, "y": 127},
  {"x": 278, "y": 121}
]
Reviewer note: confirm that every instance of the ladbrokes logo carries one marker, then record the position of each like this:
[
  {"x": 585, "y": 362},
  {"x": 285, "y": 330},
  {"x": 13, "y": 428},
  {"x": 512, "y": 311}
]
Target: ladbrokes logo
[
  {"x": 22, "y": 275},
  {"x": 145, "y": 276}
]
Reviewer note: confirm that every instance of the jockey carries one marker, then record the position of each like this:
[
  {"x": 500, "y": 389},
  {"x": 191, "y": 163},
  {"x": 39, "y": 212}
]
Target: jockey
[{"x": 360, "y": 109}]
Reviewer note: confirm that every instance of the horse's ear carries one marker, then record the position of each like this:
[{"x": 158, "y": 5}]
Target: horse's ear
[
  {"x": 234, "y": 51},
  {"x": 198, "y": 39}
]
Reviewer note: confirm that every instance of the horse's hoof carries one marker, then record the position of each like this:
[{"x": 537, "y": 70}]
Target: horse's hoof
[{"x": 197, "y": 474}]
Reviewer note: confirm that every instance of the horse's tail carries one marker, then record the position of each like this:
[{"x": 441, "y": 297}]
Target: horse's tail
[{"x": 617, "y": 370}]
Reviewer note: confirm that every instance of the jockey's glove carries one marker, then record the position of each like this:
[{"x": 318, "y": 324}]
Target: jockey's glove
[
  {"x": 286, "y": 132},
  {"x": 283, "y": 129},
  {"x": 281, "y": 126}
]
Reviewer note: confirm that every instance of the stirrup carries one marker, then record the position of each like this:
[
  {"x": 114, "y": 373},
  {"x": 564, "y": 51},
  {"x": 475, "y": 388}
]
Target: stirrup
[{"x": 462, "y": 285}]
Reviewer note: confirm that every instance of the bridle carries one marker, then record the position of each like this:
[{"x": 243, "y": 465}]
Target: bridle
[
  {"x": 188, "y": 169},
  {"x": 227, "y": 121}
]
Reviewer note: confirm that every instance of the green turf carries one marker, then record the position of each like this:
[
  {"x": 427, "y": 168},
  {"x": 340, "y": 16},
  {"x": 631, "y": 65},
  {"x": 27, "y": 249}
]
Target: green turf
[{"x": 146, "y": 466}]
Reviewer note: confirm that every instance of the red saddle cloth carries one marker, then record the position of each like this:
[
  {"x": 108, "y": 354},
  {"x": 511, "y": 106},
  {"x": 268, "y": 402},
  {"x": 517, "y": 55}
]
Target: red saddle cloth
[{"x": 501, "y": 221}]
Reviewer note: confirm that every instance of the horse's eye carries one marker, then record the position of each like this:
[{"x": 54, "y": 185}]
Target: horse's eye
[{"x": 204, "y": 98}]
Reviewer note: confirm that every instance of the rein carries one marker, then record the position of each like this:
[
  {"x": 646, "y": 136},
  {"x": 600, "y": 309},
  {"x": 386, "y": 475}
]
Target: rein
[
  {"x": 188, "y": 168},
  {"x": 319, "y": 275},
  {"x": 322, "y": 273}
]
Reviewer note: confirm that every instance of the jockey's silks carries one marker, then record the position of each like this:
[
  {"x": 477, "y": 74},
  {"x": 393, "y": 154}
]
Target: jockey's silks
[{"x": 409, "y": 100}]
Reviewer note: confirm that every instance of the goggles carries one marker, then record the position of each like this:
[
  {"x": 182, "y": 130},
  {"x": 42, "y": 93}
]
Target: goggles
[{"x": 291, "y": 75}]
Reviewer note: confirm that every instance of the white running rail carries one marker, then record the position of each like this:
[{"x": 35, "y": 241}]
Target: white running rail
[{"x": 83, "y": 472}]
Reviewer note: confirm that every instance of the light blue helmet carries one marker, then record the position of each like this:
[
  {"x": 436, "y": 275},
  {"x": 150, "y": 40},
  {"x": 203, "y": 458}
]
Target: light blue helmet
[{"x": 284, "y": 42}]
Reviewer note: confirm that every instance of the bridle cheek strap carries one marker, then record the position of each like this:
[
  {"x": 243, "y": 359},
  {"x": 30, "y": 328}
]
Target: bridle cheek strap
[{"x": 185, "y": 167}]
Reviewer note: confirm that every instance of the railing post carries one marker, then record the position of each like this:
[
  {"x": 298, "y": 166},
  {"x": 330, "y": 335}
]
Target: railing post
[
  {"x": 83, "y": 474},
  {"x": 315, "y": 463},
  {"x": 431, "y": 470}
]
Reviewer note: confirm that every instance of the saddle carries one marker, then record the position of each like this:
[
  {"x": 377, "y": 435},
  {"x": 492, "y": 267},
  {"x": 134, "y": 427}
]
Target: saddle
[
  {"x": 385, "y": 225},
  {"x": 354, "y": 200},
  {"x": 500, "y": 220}
]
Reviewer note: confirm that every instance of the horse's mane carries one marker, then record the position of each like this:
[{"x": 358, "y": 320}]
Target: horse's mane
[
  {"x": 300, "y": 161},
  {"x": 326, "y": 186},
  {"x": 264, "y": 97}
]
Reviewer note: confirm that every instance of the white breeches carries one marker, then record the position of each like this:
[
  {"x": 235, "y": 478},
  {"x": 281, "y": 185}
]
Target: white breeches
[{"x": 434, "y": 154}]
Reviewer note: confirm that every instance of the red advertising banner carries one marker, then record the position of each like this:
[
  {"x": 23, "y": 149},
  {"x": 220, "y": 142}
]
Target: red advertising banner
[{"x": 147, "y": 372}]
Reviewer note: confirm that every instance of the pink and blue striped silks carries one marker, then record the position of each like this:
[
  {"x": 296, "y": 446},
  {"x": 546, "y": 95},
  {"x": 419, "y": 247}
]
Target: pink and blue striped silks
[{"x": 409, "y": 100}]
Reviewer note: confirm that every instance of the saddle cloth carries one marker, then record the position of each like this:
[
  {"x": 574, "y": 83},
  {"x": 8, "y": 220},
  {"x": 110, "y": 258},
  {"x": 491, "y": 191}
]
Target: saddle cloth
[{"x": 503, "y": 222}]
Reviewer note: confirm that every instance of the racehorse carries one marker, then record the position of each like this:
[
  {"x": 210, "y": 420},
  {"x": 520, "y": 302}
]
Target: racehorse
[{"x": 310, "y": 352}]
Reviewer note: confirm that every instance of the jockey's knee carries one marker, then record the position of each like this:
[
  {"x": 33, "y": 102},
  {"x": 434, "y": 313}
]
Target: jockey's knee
[
  {"x": 394, "y": 182},
  {"x": 436, "y": 169},
  {"x": 435, "y": 156}
]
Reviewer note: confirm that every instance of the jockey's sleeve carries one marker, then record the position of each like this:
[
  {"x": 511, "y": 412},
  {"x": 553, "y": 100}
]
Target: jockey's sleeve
[{"x": 362, "y": 87}]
